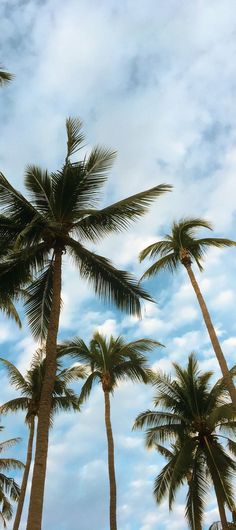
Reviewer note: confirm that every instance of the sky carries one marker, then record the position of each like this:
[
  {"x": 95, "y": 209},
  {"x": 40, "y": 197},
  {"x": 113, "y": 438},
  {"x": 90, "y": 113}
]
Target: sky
[{"x": 155, "y": 81}]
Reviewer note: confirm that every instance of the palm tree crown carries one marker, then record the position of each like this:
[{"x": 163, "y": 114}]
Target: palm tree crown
[
  {"x": 61, "y": 215},
  {"x": 30, "y": 387},
  {"x": 182, "y": 246},
  {"x": 111, "y": 360},
  {"x": 196, "y": 420}
]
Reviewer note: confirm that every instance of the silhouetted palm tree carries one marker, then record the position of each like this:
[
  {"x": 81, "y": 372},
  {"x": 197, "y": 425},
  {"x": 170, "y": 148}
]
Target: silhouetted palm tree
[
  {"x": 30, "y": 388},
  {"x": 61, "y": 216},
  {"x": 111, "y": 361},
  {"x": 192, "y": 418},
  {"x": 182, "y": 247}
]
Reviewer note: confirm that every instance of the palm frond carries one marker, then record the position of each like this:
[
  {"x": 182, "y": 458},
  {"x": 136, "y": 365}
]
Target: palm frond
[
  {"x": 15, "y": 377},
  {"x": 75, "y": 136},
  {"x": 159, "y": 248},
  {"x": 87, "y": 386},
  {"x": 39, "y": 185},
  {"x": 5, "y": 77},
  {"x": 8, "y": 307},
  {"x": 198, "y": 488},
  {"x": 109, "y": 283},
  {"x": 118, "y": 216},
  {"x": 14, "y": 405},
  {"x": 10, "y": 463},
  {"x": 168, "y": 262},
  {"x": 39, "y": 302}
]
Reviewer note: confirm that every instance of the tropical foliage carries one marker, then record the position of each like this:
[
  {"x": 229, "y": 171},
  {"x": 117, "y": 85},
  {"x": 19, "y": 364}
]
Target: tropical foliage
[
  {"x": 9, "y": 489},
  {"x": 61, "y": 216},
  {"x": 198, "y": 424},
  {"x": 5, "y": 77}
]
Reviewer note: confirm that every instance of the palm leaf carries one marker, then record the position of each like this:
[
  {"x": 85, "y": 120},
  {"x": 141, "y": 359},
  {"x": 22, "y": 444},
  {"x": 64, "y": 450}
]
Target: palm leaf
[
  {"x": 15, "y": 377},
  {"x": 39, "y": 185},
  {"x": 118, "y": 216},
  {"x": 168, "y": 262},
  {"x": 109, "y": 283},
  {"x": 75, "y": 136},
  {"x": 39, "y": 302},
  {"x": 5, "y": 77}
]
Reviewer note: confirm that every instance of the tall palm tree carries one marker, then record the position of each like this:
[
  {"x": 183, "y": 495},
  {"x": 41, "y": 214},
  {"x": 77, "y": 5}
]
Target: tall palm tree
[
  {"x": 61, "y": 216},
  {"x": 196, "y": 420},
  {"x": 30, "y": 387},
  {"x": 111, "y": 361},
  {"x": 5, "y": 77},
  {"x": 182, "y": 247},
  {"x": 9, "y": 489}
]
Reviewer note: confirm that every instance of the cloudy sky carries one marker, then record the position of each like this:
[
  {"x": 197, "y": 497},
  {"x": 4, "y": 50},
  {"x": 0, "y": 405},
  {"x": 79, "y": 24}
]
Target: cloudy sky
[{"x": 156, "y": 81}]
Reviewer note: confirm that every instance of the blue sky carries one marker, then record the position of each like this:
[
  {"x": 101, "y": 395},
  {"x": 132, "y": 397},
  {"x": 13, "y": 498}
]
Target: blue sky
[{"x": 156, "y": 81}]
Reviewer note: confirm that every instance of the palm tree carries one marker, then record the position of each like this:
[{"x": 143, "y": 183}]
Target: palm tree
[
  {"x": 182, "y": 247},
  {"x": 5, "y": 77},
  {"x": 194, "y": 419},
  {"x": 61, "y": 216},
  {"x": 110, "y": 362},
  {"x": 9, "y": 489},
  {"x": 30, "y": 387}
]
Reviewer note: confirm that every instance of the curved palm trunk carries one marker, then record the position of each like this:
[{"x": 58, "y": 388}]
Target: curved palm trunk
[
  {"x": 212, "y": 334},
  {"x": 41, "y": 451},
  {"x": 111, "y": 462},
  {"x": 25, "y": 476}
]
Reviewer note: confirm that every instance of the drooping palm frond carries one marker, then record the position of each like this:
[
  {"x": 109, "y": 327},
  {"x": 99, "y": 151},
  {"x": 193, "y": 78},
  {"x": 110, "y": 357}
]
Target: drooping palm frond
[
  {"x": 39, "y": 302},
  {"x": 109, "y": 283},
  {"x": 198, "y": 487},
  {"x": 15, "y": 377},
  {"x": 94, "y": 377}
]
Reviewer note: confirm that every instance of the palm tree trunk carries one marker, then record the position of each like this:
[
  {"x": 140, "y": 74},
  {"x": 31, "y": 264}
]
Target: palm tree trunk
[
  {"x": 212, "y": 334},
  {"x": 111, "y": 462},
  {"x": 39, "y": 473},
  {"x": 25, "y": 476},
  {"x": 223, "y": 519}
]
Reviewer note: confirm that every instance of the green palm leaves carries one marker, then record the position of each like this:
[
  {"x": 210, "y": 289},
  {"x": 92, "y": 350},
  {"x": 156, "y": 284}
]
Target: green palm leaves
[
  {"x": 5, "y": 77},
  {"x": 9, "y": 489},
  {"x": 191, "y": 419},
  {"x": 182, "y": 246},
  {"x": 61, "y": 213}
]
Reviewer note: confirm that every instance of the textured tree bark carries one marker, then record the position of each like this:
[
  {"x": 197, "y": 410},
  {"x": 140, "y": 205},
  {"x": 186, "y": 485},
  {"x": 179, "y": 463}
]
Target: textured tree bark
[
  {"x": 39, "y": 473},
  {"x": 25, "y": 476},
  {"x": 212, "y": 334},
  {"x": 111, "y": 462}
]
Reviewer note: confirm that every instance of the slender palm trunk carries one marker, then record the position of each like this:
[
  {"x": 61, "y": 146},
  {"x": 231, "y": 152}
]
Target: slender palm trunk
[
  {"x": 25, "y": 476},
  {"x": 212, "y": 334},
  {"x": 221, "y": 508},
  {"x": 39, "y": 474},
  {"x": 111, "y": 462}
]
